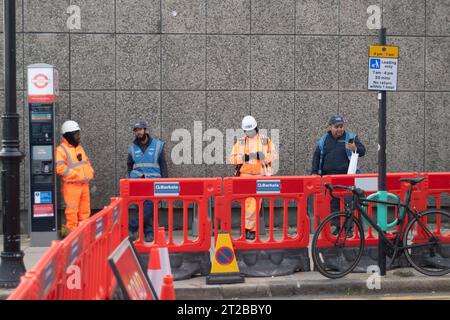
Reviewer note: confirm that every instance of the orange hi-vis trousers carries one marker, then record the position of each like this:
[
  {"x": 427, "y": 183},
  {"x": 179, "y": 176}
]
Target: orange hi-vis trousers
[
  {"x": 252, "y": 207},
  {"x": 78, "y": 204}
]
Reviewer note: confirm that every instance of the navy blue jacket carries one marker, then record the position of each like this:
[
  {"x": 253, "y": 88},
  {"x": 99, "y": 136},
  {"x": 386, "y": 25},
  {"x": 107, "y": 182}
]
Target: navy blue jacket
[
  {"x": 335, "y": 159},
  {"x": 161, "y": 161}
]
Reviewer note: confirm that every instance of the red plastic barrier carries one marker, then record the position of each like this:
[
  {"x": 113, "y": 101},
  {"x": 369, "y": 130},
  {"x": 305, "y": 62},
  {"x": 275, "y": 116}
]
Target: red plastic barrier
[
  {"x": 25, "y": 290},
  {"x": 115, "y": 236},
  {"x": 98, "y": 255},
  {"x": 77, "y": 268},
  {"x": 195, "y": 190},
  {"x": 116, "y": 222},
  {"x": 73, "y": 259},
  {"x": 436, "y": 185},
  {"x": 87, "y": 248},
  {"x": 296, "y": 189},
  {"x": 393, "y": 185},
  {"x": 41, "y": 283}
]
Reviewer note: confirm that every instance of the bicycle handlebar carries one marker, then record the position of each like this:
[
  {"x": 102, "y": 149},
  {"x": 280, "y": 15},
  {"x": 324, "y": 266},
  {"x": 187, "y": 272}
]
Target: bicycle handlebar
[
  {"x": 354, "y": 190},
  {"x": 331, "y": 188}
]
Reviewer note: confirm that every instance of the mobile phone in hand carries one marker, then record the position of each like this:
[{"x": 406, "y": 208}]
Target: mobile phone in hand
[{"x": 351, "y": 141}]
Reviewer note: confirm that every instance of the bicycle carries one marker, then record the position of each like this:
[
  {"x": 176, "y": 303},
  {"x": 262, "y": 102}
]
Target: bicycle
[{"x": 423, "y": 237}]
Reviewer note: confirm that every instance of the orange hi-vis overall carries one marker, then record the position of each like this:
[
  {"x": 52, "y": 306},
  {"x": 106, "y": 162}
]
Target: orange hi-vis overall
[
  {"x": 75, "y": 175},
  {"x": 254, "y": 167}
]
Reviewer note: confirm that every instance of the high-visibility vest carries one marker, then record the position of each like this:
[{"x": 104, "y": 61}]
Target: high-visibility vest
[
  {"x": 146, "y": 163},
  {"x": 255, "y": 166},
  {"x": 68, "y": 165}
]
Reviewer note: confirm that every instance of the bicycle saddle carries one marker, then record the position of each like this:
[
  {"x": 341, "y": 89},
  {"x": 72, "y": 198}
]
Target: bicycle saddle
[{"x": 413, "y": 181}]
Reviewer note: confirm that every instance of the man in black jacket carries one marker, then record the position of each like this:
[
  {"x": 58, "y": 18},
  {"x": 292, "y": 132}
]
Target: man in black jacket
[
  {"x": 332, "y": 155},
  {"x": 143, "y": 153},
  {"x": 333, "y": 152}
]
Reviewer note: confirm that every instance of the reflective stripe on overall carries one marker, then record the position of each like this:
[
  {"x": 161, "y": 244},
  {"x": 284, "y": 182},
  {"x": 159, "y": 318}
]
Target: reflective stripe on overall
[
  {"x": 75, "y": 193},
  {"x": 71, "y": 165},
  {"x": 256, "y": 168}
]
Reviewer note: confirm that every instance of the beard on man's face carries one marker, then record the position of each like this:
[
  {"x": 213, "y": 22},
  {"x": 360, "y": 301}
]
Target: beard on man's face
[{"x": 140, "y": 136}]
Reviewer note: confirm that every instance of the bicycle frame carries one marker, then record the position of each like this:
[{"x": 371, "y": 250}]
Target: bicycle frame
[
  {"x": 392, "y": 244},
  {"x": 381, "y": 235},
  {"x": 413, "y": 229}
]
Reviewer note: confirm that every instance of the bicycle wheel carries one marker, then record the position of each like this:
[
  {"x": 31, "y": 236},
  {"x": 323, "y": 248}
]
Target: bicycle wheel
[
  {"x": 336, "y": 247},
  {"x": 426, "y": 242}
]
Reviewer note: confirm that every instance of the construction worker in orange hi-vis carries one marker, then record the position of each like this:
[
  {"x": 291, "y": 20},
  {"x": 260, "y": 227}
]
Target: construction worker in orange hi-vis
[
  {"x": 253, "y": 156},
  {"x": 76, "y": 171}
]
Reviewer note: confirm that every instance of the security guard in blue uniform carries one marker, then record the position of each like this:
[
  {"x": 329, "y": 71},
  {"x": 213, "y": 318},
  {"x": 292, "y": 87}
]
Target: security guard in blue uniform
[{"x": 145, "y": 160}]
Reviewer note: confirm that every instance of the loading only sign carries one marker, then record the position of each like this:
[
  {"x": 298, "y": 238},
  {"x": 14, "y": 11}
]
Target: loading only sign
[{"x": 383, "y": 65}]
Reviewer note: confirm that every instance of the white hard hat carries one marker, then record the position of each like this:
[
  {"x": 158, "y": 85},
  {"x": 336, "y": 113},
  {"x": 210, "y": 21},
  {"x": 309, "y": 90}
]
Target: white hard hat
[
  {"x": 249, "y": 123},
  {"x": 69, "y": 126}
]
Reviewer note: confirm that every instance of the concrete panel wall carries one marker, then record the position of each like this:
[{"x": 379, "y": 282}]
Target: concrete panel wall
[{"x": 290, "y": 63}]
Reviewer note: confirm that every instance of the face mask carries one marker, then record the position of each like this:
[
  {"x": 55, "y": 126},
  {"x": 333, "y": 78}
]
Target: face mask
[{"x": 250, "y": 133}]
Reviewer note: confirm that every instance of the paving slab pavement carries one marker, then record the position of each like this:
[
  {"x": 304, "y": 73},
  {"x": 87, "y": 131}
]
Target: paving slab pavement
[{"x": 404, "y": 280}]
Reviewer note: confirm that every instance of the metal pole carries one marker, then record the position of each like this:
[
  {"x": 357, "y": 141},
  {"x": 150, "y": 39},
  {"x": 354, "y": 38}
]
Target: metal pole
[
  {"x": 11, "y": 264},
  {"x": 382, "y": 161}
]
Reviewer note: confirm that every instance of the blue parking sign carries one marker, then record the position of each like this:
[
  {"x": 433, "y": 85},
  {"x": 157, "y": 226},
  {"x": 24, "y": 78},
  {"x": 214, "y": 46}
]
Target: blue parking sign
[
  {"x": 43, "y": 197},
  {"x": 375, "y": 63}
]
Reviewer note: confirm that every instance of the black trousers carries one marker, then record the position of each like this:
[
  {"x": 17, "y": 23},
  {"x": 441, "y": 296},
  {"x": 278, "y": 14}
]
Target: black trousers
[{"x": 335, "y": 206}]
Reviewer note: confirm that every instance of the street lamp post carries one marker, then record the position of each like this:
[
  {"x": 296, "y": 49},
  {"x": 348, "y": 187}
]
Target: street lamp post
[{"x": 11, "y": 263}]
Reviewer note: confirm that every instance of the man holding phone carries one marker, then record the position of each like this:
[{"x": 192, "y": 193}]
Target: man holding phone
[
  {"x": 334, "y": 149},
  {"x": 333, "y": 153}
]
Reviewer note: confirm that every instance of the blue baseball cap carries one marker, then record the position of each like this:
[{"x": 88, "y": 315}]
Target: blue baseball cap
[
  {"x": 334, "y": 120},
  {"x": 140, "y": 125}
]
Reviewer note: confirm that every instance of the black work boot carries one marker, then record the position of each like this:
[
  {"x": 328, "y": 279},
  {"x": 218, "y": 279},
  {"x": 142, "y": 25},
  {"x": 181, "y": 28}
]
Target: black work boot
[
  {"x": 250, "y": 235},
  {"x": 148, "y": 237}
]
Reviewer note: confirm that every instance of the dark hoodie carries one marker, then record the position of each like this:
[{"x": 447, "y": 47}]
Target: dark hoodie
[{"x": 335, "y": 159}]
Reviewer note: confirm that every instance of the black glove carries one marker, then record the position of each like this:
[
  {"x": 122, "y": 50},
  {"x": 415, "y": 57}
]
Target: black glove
[
  {"x": 257, "y": 156},
  {"x": 261, "y": 156}
]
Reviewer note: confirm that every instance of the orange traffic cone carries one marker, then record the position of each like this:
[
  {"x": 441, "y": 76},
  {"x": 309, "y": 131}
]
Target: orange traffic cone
[
  {"x": 154, "y": 271},
  {"x": 168, "y": 290},
  {"x": 164, "y": 252}
]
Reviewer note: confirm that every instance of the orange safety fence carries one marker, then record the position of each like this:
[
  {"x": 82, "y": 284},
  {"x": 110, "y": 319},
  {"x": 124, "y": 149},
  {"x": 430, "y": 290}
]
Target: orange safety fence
[
  {"x": 196, "y": 191},
  {"x": 322, "y": 202},
  {"x": 292, "y": 191},
  {"x": 25, "y": 291},
  {"x": 41, "y": 283},
  {"x": 76, "y": 268},
  {"x": 436, "y": 185},
  {"x": 394, "y": 186},
  {"x": 73, "y": 258}
]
